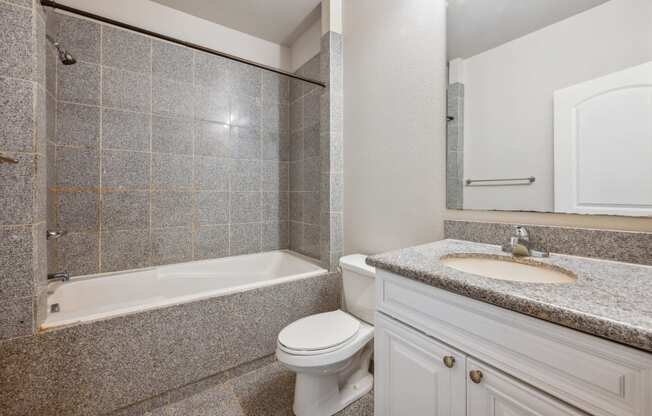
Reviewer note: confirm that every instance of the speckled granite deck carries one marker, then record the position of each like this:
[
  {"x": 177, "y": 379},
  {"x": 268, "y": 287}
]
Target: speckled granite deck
[{"x": 611, "y": 300}]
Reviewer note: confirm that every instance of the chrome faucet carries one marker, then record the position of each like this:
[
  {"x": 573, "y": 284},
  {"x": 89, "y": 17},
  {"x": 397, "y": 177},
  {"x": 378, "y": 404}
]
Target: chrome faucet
[
  {"x": 59, "y": 277},
  {"x": 519, "y": 244}
]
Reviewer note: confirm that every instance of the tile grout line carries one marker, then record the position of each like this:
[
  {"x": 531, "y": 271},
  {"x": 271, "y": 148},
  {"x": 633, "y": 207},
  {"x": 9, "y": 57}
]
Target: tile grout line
[
  {"x": 261, "y": 126},
  {"x": 33, "y": 177},
  {"x": 229, "y": 165},
  {"x": 195, "y": 194},
  {"x": 55, "y": 179},
  {"x": 100, "y": 232},
  {"x": 150, "y": 173}
]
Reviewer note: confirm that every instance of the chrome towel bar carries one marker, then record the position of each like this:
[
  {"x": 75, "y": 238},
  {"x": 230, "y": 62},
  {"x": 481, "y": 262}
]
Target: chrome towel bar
[{"x": 492, "y": 182}]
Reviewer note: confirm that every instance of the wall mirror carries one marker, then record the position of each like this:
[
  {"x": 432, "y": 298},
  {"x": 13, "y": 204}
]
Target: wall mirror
[{"x": 550, "y": 106}]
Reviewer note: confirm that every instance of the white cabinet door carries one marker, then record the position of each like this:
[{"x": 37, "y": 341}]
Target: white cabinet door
[
  {"x": 492, "y": 393},
  {"x": 411, "y": 377}
]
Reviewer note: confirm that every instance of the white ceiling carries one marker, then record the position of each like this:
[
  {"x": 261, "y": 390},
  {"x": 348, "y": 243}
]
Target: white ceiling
[
  {"x": 278, "y": 21},
  {"x": 475, "y": 26}
]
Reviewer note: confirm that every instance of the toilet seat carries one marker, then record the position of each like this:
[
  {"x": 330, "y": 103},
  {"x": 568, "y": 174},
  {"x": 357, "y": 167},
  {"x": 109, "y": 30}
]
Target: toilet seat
[{"x": 318, "y": 334}]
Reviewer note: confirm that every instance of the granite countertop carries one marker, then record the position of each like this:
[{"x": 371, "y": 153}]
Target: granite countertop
[{"x": 611, "y": 300}]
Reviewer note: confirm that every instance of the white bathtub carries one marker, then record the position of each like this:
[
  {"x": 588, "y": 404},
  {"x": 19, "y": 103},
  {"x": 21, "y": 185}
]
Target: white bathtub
[{"x": 100, "y": 296}]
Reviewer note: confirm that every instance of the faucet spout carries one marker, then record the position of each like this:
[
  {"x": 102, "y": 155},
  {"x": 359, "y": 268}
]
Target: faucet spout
[
  {"x": 59, "y": 277},
  {"x": 519, "y": 244}
]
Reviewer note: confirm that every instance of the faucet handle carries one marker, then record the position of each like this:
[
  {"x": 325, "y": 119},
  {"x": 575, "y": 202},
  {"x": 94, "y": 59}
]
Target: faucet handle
[
  {"x": 520, "y": 232},
  {"x": 55, "y": 234}
]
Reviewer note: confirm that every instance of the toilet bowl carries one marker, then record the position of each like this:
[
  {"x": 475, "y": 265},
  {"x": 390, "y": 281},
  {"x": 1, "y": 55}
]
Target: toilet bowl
[{"x": 331, "y": 352}]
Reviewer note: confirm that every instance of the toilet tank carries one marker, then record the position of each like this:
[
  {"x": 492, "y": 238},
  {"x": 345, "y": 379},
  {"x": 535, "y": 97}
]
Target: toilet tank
[{"x": 359, "y": 292}]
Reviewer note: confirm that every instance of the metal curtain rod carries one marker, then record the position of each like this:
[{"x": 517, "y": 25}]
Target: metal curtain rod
[{"x": 55, "y": 5}]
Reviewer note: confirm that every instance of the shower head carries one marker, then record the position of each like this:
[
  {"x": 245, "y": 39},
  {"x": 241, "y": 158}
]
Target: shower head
[{"x": 64, "y": 56}]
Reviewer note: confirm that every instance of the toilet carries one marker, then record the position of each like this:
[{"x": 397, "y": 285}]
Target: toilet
[{"x": 331, "y": 352}]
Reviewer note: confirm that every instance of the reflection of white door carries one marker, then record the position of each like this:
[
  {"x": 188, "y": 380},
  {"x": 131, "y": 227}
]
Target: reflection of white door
[{"x": 603, "y": 144}]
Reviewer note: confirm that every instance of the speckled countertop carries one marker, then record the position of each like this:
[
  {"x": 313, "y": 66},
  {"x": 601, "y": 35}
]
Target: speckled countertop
[{"x": 609, "y": 299}]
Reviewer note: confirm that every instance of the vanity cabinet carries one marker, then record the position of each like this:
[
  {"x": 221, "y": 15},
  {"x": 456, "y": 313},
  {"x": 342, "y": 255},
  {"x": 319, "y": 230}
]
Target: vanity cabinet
[
  {"x": 416, "y": 375},
  {"x": 496, "y": 394},
  {"x": 528, "y": 366}
]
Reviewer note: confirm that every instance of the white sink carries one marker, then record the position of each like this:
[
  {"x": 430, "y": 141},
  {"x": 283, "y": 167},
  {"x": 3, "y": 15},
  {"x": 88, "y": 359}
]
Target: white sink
[{"x": 508, "y": 269}]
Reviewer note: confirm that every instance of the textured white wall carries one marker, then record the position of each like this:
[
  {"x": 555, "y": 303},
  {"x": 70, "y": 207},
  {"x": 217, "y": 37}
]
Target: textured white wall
[
  {"x": 508, "y": 119},
  {"x": 307, "y": 45},
  {"x": 165, "y": 20},
  {"x": 394, "y": 97}
]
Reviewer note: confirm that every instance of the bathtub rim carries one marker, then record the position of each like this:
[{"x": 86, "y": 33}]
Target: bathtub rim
[{"x": 44, "y": 327}]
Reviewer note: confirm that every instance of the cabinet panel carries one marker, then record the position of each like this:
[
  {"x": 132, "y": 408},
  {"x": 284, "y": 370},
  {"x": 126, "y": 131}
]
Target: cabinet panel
[
  {"x": 411, "y": 376},
  {"x": 497, "y": 394},
  {"x": 595, "y": 375}
]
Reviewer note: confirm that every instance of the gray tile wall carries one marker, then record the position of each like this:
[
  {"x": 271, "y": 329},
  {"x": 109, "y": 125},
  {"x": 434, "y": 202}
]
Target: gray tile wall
[
  {"x": 154, "y": 154},
  {"x": 305, "y": 161},
  {"x": 23, "y": 131},
  {"x": 316, "y": 156},
  {"x": 455, "y": 147},
  {"x": 163, "y": 154},
  {"x": 332, "y": 150}
]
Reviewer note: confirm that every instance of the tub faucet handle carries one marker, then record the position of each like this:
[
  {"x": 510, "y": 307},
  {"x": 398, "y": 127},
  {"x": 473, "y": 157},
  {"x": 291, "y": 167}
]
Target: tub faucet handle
[{"x": 54, "y": 234}]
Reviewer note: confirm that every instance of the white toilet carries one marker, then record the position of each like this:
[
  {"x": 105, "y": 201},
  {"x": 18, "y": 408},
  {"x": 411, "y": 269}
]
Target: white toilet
[{"x": 331, "y": 352}]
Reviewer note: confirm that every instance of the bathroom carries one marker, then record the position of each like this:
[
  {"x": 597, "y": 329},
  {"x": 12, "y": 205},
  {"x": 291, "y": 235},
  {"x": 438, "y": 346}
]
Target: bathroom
[{"x": 325, "y": 207}]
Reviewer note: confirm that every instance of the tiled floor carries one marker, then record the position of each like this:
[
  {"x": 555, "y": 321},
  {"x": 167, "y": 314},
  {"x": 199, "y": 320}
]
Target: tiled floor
[{"x": 267, "y": 391}]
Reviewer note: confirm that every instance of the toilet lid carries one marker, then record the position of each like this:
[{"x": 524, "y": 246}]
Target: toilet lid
[{"x": 319, "y": 332}]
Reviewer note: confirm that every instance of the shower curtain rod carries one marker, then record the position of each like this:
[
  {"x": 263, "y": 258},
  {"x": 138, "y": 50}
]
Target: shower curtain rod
[{"x": 55, "y": 5}]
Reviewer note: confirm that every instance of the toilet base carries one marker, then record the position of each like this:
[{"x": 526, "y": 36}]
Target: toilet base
[{"x": 327, "y": 394}]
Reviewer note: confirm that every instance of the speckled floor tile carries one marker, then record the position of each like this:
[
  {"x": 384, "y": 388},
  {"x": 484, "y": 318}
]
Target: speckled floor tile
[
  {"x": 364, "y": 406},
  {"x": 267, "y": 391},
  {"x": 216, "y": 401}
]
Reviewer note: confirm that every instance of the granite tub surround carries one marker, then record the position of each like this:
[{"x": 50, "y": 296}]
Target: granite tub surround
[
  {"x": 23, "y": 132},
  {"x": 105, "y": 366},
  {"x": 609, "y": 299},
  {"x": 625, "y": 246},
  {"x": 163, "y": 154}
]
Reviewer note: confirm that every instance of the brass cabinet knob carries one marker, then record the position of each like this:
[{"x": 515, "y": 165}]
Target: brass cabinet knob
[
  {"x": 475, "y": 376},
  {"x": 449, "y": 361}
]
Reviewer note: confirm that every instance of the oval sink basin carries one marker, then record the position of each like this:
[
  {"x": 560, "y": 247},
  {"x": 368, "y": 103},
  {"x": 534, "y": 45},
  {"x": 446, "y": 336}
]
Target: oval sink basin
[{"x": 507, "y": 269}]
